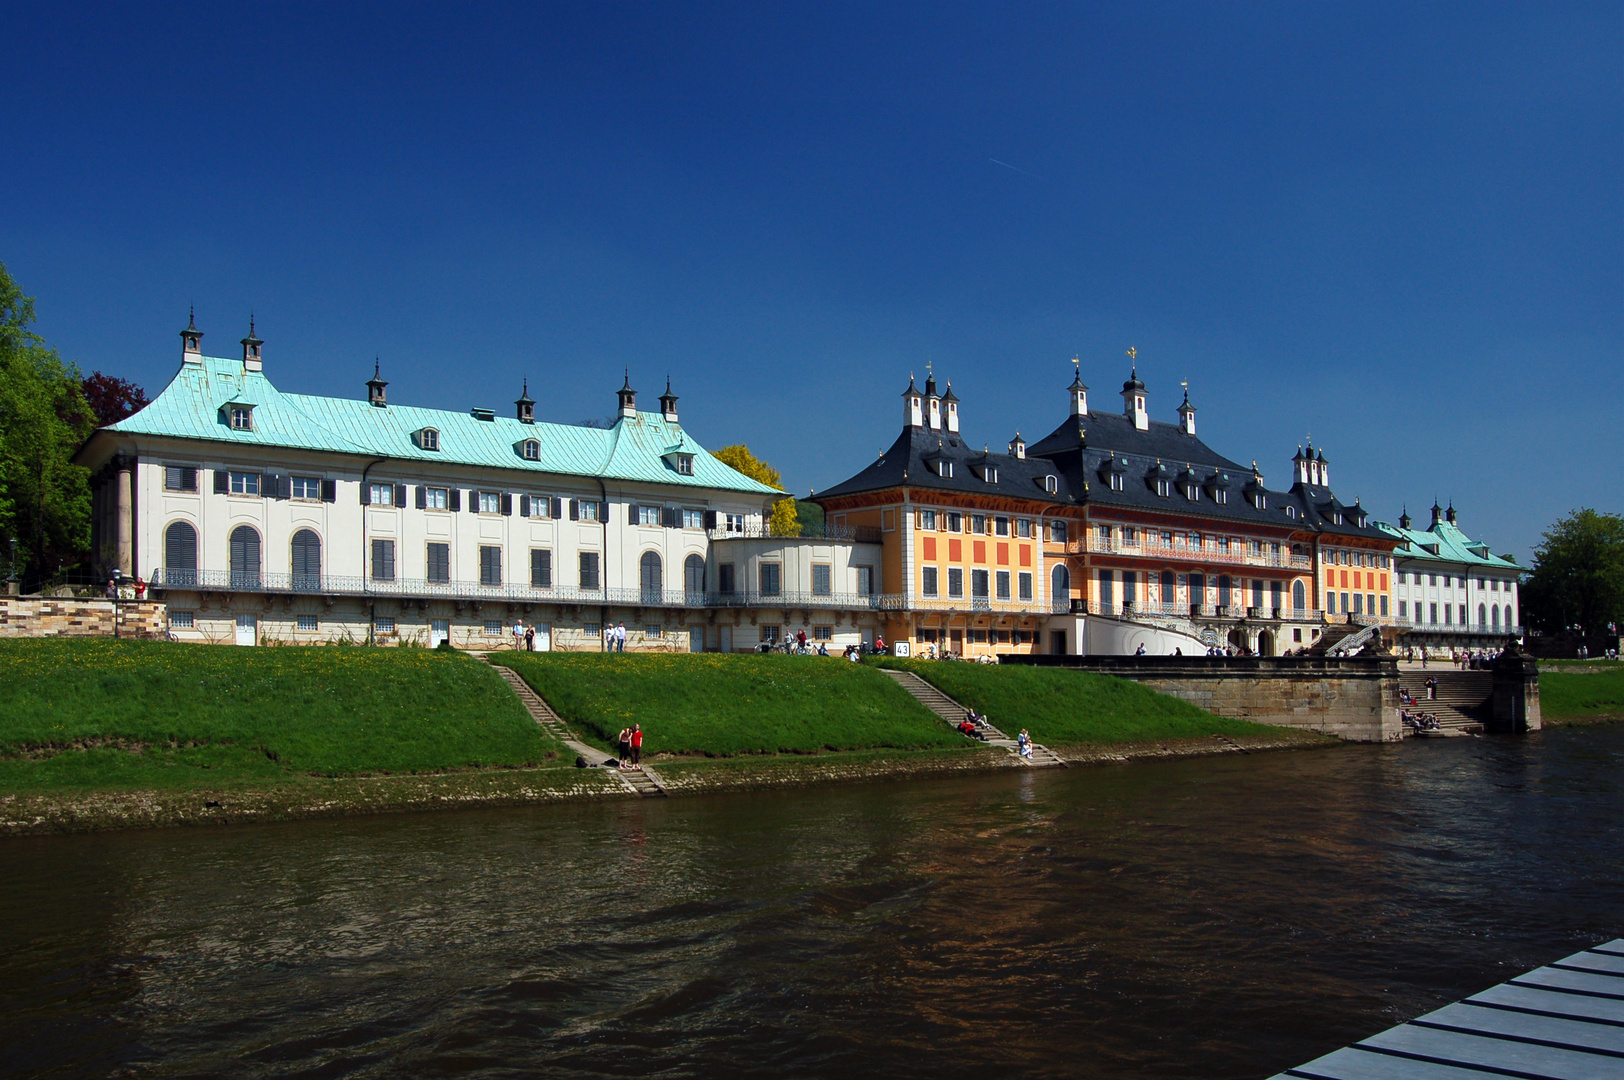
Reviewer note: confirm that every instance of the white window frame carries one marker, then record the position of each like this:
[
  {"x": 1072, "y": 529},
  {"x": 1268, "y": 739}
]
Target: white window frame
[
  {"x": 380, "y": 494},
  {"x": 244, "y": 483},
  {"x": 436, "y": 498}
]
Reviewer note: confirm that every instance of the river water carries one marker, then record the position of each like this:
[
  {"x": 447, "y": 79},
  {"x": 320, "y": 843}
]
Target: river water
[{"x": 1221, "y": 917}]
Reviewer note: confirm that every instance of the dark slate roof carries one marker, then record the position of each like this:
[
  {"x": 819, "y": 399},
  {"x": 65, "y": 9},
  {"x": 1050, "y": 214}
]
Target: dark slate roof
[
  {"x": 911, "y": 458},
  {"x": 1114, "y": 431}
]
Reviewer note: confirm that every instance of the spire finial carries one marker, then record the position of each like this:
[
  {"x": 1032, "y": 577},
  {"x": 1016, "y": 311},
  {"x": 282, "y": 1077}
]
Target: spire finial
[
  {"x": 375, "y": 362},
  {"x": 1133, "y": 355},
  {"x": 191, "y": 316},
  {"x": 250, "y": 323}
]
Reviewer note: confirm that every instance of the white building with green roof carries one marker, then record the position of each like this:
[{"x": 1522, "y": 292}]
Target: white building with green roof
[
  {"x": 1452, "y": 590},
  {"x": 257, "y": 513}
]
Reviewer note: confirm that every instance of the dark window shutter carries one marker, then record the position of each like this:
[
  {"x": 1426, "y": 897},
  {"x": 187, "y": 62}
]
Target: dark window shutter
[
  {"x": 603, "y": 511},
  {"x": 267, "y": 485},
  {"x": 631, "y": 514},
  {"x": 422, "y": 497},
  {"x": 575, "y": 509},
  {"x": 673, "y": 517},
  {"x": 710, "y": 519},
  {"x": 507, "y": 504},
  {"x": 456, "y": 498},
  {"x": 524, "y": 506},
  {"x": 473, "y": 501},
  {"x": 329, "y": 491},
  {"x": 558, "y": 507},
  {"x": 400, "y": 495},
  {"x": 366, "y": 493},
  {"x": 285, "y": 488},
  {"x": 222, "y": 482}
]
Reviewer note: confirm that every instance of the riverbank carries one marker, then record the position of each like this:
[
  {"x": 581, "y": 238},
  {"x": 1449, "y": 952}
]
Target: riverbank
[
  {"x": 70, "y": 811},
  {"x": 1581, "y": 692}
]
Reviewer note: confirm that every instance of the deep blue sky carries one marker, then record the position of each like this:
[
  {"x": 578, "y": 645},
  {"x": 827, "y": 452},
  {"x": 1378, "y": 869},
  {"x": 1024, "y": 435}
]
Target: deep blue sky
[{"x": 1396, "y": 227}]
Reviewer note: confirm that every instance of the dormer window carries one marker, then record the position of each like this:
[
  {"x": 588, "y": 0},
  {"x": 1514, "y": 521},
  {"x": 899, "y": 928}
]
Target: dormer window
[
  {"x": 944, "y": 469},
  {"x": 685, "y": 464},
  {"x": 530, "y": 449},
  {"x": 1051, "y": 484},
  {"x": 427, "y": 439},
  {"x": 1291, "y": 511},
  {"x": 242, "y": 417},
  {"x": 1164, "y": 488},
  {"x": 1260, "y": 501},
  {"x": 1116, "y": 481},
  {"x": 1336, "y": 517},
  {"x": 987, "y": 473},
  {"x": 1219, "y": 495},
  {"x": 1192, "y": 492}
]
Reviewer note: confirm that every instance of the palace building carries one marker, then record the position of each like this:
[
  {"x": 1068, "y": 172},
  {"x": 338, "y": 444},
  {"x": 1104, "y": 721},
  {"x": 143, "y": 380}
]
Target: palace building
[
  {"x": 1112, "y": 532},
  {"x": 1451, "y": 591},
  {"x": 259, "y": 514}
]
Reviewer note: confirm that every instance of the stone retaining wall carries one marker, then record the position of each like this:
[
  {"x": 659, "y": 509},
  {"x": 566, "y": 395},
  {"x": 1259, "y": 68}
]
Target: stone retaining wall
[
  {"x": 50, "y": 616},
  {"x": 1354, "y": 698}
]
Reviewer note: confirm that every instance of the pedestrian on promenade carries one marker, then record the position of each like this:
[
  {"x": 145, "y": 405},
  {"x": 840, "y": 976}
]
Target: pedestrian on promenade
[
  {"x": 637, "y": 744},
  {"x": 624, "y": 744}
]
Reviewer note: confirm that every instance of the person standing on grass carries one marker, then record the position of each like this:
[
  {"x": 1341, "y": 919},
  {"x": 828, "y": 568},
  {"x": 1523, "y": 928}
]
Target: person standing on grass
[
  {"x": 637, "y": 745},
  {"x": 530, "y": 639}
]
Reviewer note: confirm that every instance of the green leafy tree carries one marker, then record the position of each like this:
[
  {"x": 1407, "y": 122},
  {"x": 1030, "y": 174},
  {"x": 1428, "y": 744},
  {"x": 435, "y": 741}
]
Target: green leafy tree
[
  {"x": 44, "y": 497},
  {"x": 1578, "y": 576},
  {"x": 784, "y": 521}
]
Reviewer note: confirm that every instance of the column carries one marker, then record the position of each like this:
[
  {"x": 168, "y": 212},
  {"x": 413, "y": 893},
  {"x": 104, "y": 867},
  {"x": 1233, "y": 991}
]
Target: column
[{"x": 125, "y": 515}]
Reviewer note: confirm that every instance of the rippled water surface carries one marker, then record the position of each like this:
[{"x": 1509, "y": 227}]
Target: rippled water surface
[{"x": 1217, "y": 917}]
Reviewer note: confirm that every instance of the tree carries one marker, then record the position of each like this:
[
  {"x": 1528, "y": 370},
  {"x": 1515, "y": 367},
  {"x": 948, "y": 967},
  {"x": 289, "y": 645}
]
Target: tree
[
  {"x": 784, "y": 520},
  {"x": 44, "y": 497},
  {"x": 112, "y": 399},
  {"x": 1578, "y": 576}
]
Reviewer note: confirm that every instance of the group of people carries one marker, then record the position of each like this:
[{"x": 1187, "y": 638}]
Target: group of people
[
  {"x": 524, "y": 637},
  {"x": 974, "y": 725},
  {"x": 137, "y": 586},
  {"x": 631, "y": 747},
  {"x": 1464, "y": 659}
]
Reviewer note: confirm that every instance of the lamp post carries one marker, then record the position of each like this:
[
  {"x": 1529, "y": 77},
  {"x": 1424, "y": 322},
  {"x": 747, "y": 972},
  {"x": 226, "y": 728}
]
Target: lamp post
[
  {"x": 11, "y": 582},
  {"x": 118, "y": 580}
]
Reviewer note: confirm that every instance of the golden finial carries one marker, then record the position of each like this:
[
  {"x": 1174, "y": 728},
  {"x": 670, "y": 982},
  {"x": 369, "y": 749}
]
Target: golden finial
[{"x": 1133, "y": 354}]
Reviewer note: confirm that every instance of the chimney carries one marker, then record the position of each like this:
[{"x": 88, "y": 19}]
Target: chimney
[
  {"x": 524, "y": 406},
  {"x": 950, "y": 410},
  {"x": 668, "y": 403},
  {"x": 375, "y": 387},
  {"x": 250, "y": 348},
  {"x": 913, "y": 413},
  {"x": 191, "y": 341},
  {"x": 1017, "y": 447},
  {"x": 628, "y": 398},
  {"x": 1187, "y": 413}
]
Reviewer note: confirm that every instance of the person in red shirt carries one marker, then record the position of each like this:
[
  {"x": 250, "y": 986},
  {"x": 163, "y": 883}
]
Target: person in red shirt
[{"x": 637, "y": 744}]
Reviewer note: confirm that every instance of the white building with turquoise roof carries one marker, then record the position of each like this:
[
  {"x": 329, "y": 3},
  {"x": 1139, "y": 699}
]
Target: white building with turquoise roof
[
  {"x": 260, "y": 515},
  {"x": 1453, "y": 591}
]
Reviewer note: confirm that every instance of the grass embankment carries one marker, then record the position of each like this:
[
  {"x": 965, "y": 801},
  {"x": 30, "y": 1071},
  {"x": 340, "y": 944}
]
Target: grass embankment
[
  {"x": 724, "y": 705},
  {"x": 1588, "y": 695},
  {"x": 1074, "y": 708},
  {"x": 129, "y": 715}
]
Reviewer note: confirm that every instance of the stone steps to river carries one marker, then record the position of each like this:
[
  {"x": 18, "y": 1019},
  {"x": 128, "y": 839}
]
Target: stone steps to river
[
  {"x": 953, "y": 714},
  {"x": 635, "y": 778},
  {"x": 1464, "y": 697}
]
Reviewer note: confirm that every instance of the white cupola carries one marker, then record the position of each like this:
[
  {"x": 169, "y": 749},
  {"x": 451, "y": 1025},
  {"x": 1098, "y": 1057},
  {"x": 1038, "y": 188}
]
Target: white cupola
[
  {"x": 1079, "y": 393},
  {"x": 933, "y": 403},
  {"x": 1187, "y": 413},
  {"x": 913, "y": 406},
  {"x": 1133, "y": 399},
  {"x": 950, "y": 410},
  {"x": 191, "y": 341}
]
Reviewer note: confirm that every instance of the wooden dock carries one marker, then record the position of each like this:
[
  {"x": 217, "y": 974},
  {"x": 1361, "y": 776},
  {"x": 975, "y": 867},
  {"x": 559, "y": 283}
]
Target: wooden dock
[{"x": 1565, "y": 1020}]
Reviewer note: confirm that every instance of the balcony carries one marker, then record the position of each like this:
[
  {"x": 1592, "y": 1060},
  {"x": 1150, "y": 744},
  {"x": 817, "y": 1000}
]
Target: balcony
[
  {"x": 1207, "y": 553},
  {"x": 855, "y": 534}
]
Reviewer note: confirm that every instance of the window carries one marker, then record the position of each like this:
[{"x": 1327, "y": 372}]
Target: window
[
  {"x": 648, "y": 515},
  {"x": 1118, "y": 481},
  {"x": 978, "y": 584},
  {"x": 735, "y": 523},
  {"x": 1164, "y": 488},
  {"x": 541, "y": 506},
  {"x": 1192, "y": 492},
  {"x": 927, "y": 580},
  {"x": 180, "y": 554},
  {"x": 865, "y": 581},
  {"x": 927, "y": 520},
  {"x": 1051, "y": 484},
  {"x": 651, "y": 575},
  {"x": 541, "y": 568},
  {"x": 1023, "y": 528},
  {"x": 693, "y": 519},
  {"x": 1195, "y": 541},
  {"x": 823, "y": 633},
  {"x": 653, "y": 630},
  {"x": 821, "y": 583},
  {"x": 769, "y": 632},
  {"x": 429, "y": 439},
  {"x": 770, "y": 576},
  {"x": 978, "y": 524},
  {"x": 532, "y": 450},
  {"x": 1330, "y": 603},
  {"x": 383, "y": 560},
  {"x": 1025, "y": 583},
  {"x": 1104, "y": 533},
  {"x": 245, "y": 483},
  {"x": 685, "y": 464},
  {"x": 490, "y": 502},
  {"x": 182, "y": 620},
  {"x": 242, "y": 417},
  {"x": 438, "y": 562},
  {"x": 1057, "y": 532},
  {"x": 1223, "y": 545},
  {"x": 944, "y": 469},
  {"x": 493, "y": 628},
  {"x": 955, "y": 582},
  {"x": 1403, "y": 609},
  {"x": 383, "y": 624},
  {"x": 591, "y": 629},
  {"x": 1384, "y": 605},
  {"x": 1432, "y": 610},
  {"x": 307, "y": 487},
  {"x": 955, "y": 522},
  {"x": 490, "y": 564},
  {"x": 245, "y": 561},
  {"x": 1000, "y": 526},
  {"x": 1299, "y": 597},
  {"x": 1494, "y": 584},
  {"x": 693, "y": 577},
  {"x": 305, "y": 551},
  {"x": 1462, "y": 610},
  {"x": 589, "y": 569},
  {"x": 1220, "y": 495},
  {"x": 1130, "y": 535},
  {"x": 725, "y": 581},
  {"x": 381, "y": 494},
  {"x": 1002, "y": 581},
  {"x": 181, "y": 478},
  {"x": 436, "y": 498}
]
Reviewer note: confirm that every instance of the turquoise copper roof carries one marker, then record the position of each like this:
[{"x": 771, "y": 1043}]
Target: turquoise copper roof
[
  {"x": 645, "y": 447},
  {"x": 1444, "y": 542}
]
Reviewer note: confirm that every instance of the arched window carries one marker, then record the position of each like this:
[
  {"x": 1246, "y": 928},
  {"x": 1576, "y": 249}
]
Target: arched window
[
  {"x": 306, "y": 561},
  {"x": 1060, "y": 588},
  {"x": 1223, "y": 590},
  {"x": 693, "y": 577},
  {"x": 651, "y": 577},
  {"x": 244, "y": 558},
  {"x": 1299, "y": 597},
  {"x": 1169, "y": 589},
  {"x": 180, "y": 555},
  {"x": 1483, "y": 616},
  {"x": 1495, "y": 611},
  {"x": 1509, "y": 623}
]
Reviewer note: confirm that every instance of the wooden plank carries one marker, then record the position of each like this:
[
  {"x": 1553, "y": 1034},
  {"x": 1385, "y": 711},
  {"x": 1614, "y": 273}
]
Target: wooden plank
[
  {"x": 1574, "y": 1005},
  {"x": 1577, "y": 1033},
  {"x": 1585, "y": 981},
  {"x": 1455, "y": 1048},
  {"x": 1351, "y": 1063},
  {"x": 1594, "y": 961}
]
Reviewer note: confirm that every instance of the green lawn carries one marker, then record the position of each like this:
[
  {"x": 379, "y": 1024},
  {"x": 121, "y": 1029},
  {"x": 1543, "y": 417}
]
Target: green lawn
[
  {"x": 722, "y": 705},
  {"x": 95, "y": 713},
  {"x": 1062, "y": 707},
  {"x": 1564, "y": 696}
]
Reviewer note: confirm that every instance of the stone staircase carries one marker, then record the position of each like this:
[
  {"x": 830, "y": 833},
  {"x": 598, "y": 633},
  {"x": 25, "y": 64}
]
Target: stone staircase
[
  {"x": 953, "y": 714},
  {"x": 1464, "y": 697},
  {"x": 639, "y": 779}
]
